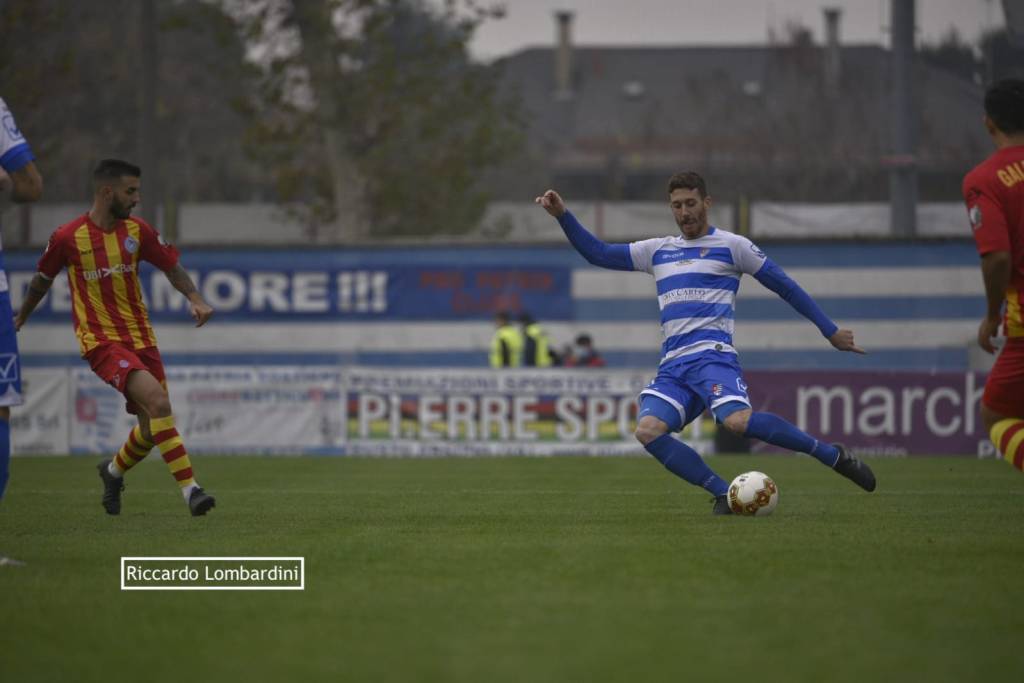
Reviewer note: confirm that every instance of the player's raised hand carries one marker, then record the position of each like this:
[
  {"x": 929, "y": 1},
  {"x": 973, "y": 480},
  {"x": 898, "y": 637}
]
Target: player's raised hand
[
  {"x": 200, "y": 311},
  {"x": 843, "y": 340},
  {"x": 551, "y": 203}
]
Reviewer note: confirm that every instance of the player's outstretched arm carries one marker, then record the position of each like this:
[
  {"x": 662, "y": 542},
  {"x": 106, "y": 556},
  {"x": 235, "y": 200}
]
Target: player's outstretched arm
[
  {"x": 774, "y": 278},
  {"x": 613, "y": 256},
  {"x": 37, "y": 290},
  {"x": 198, "y": 308}
]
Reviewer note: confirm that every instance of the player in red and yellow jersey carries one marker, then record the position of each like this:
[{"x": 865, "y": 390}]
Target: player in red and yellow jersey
[
  {"x": 994, "y": 193},
  {"x": 101, "y": 251}
]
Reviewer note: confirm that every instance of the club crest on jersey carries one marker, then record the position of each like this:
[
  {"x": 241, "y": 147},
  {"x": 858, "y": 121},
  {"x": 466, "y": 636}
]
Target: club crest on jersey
[
  {"x": 974, "y": 215},
  {"x": 716, "y": 389},
  {"x": 131, "y": 245}
]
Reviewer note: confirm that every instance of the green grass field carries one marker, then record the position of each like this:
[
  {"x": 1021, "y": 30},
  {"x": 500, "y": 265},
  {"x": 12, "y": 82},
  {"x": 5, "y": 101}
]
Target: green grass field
[{"x": 528, "y": 569}]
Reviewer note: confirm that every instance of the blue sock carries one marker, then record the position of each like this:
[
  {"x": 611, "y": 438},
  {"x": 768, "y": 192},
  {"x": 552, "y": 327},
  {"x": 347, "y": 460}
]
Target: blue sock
[
  {"x": 683, "y": 461},
  {"x": 5, "y": 454},
  {"x": 775, "y": 430}
]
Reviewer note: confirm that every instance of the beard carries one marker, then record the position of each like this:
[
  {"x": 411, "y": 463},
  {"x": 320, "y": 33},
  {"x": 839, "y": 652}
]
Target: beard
[
  {"x": 119, "y": 210},
  {"x": 698, "y": 221}
]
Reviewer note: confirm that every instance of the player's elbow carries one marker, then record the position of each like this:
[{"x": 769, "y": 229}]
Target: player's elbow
[
  {"x": 995, "y": 259},
  {"x": 28, "y": 185}
]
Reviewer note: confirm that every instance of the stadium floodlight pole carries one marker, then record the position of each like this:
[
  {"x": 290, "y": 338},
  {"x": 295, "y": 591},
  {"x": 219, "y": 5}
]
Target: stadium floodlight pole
[
  {"x": 902, "y": 161},
  {"x": 149, "y": 157}
]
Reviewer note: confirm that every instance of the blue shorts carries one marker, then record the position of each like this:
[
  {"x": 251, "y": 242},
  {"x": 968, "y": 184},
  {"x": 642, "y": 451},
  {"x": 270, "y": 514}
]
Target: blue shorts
[
  {"x": 693, "y": 383},
  {"x": 10, "y": 363}
]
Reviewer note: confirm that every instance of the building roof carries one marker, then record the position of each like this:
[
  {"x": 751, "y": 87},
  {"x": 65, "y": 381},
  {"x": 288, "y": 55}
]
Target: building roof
[{"x": 759, "y": 107}]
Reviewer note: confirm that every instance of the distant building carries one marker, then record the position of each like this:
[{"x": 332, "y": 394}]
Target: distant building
[{"x": 793, "y": 122}]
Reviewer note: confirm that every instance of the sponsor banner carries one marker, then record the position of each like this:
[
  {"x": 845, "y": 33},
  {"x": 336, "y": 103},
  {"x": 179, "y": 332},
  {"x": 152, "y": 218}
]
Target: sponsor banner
[
  {"x": 40, "y": 425},
  {"x": 450, "y": 411},
  {"x": 512, "y": 412},
  {"x": 241, "y": 288},
  {"x": 879, "y": 413},
  {"x": 278, "y": 410}
]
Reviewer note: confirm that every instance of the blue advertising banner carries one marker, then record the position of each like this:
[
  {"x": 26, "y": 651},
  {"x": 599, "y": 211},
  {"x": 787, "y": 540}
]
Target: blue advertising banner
[{"x": 309, "y": 286}]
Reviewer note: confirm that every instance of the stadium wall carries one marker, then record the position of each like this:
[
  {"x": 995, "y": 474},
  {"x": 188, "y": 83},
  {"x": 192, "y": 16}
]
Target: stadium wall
[{"x": 911, "y": 305}]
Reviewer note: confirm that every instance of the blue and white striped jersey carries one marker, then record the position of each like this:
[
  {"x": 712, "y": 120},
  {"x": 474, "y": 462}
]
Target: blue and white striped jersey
[{"x": 697, "y": 283}]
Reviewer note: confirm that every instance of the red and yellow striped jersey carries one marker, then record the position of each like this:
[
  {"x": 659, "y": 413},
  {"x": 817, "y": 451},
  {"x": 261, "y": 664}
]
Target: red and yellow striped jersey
[
  {"x": 106, "y": 297},
  {"x": 994, "y": 193}
]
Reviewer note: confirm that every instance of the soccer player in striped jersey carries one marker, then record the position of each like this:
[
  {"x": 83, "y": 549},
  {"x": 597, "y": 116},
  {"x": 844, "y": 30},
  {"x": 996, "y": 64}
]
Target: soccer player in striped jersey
[
  {"x": 21, "y": 182},
  {"x": 994, "y": 194},
  {"x": 101, "y": 251},
  {"x": 698, "y": 274}
]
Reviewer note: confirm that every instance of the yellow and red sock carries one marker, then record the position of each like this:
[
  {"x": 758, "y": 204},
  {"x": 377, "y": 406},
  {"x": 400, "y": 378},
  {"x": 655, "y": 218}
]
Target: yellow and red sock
[
  {"x": 167, "y": 439},
  {"x": 1008, "y": 436},
  {"x": 132, "y": 452}
]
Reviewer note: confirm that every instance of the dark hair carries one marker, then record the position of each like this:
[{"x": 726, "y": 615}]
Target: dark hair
[
  {"x": 688, "y": 180},
  {"x": 526, "y": 319},
  {"x": 1004, "y": 104},
  {"x": 584, "y": 340},
  {"x": 502, "y": 315},
  {"x": 114, "y": 169}
]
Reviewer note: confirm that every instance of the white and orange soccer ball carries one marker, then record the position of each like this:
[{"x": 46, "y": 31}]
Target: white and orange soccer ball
[{"x": 753, "y": 494}]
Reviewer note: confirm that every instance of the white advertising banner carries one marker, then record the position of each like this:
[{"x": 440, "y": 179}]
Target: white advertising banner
[
  {"x": 40, "y": 426},
  {"x": 411, "y": 412},
  {"x": 272, "y": 410},
  {"x": 369, "y": 411}
]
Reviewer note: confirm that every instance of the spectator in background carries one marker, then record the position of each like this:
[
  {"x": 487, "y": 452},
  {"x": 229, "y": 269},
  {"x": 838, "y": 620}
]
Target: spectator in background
[
  {"x": 585, "y": 355},
  {"x": 566, "y": 358},
  {"x": 506, "y": 344},
  {"x": 536, "y": 345}
]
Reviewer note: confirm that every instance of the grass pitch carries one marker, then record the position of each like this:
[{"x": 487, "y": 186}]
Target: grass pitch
[{"x": 563, "y": 569}]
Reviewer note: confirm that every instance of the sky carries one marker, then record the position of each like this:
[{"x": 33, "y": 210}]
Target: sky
[{"x": 530, "y": 23}]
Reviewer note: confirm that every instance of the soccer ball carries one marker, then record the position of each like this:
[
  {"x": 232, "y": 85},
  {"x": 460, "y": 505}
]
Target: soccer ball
[{"x": 753, "y": 493}]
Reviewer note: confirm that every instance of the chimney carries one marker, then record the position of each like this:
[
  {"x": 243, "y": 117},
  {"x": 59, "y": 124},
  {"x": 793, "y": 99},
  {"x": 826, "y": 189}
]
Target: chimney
[
  {"x": 563, "y": 56},
  {"x": 832, "y": 62}
]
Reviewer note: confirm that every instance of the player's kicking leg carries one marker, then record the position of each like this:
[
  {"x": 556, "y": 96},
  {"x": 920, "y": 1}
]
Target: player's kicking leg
[
  {"x": 770, "y": 428},
  {"x": 156, "y": 425}
]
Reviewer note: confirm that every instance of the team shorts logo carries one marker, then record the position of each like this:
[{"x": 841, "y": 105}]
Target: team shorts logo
[
  {"x": 754, "y": 248},
  {"x": 131, "y": 245},
  {"x": 741, "y": 385},
  {"x": 123, "y": 363},
  {"x": 716, "y": 389},
  {"x": 974, "y": 214},
  {"x": 8, "y": 368}
]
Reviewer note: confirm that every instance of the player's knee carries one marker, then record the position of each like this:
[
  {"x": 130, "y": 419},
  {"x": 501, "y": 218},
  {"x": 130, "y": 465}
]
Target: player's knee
[
  {"x": 649, "y": 428},
  {"x": 157, "y": 403},
  {"x": 737, "y": 422}
]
